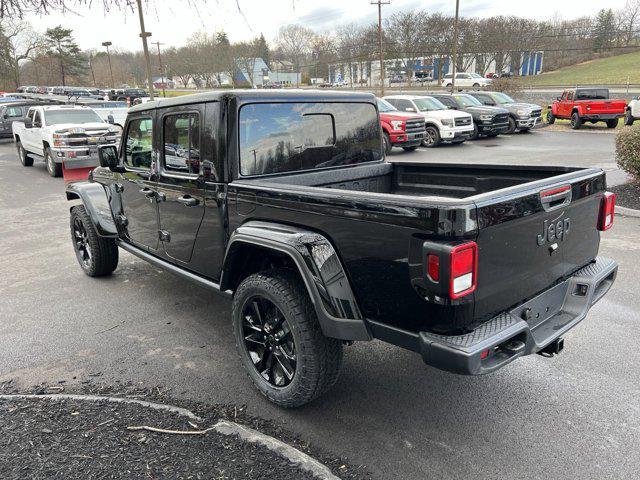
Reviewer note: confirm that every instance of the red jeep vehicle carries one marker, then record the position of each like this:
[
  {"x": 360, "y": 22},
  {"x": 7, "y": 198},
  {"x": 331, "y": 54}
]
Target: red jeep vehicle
[
  {"x": 400, "y": 129},
  {"x": 587, "y": 105}
]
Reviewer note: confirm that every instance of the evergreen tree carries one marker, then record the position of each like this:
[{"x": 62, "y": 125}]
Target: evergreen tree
[
  {"x": 61, "y": 46},
  {"x": 604, "y": 32},
  {"x": 263, "y": 50}
]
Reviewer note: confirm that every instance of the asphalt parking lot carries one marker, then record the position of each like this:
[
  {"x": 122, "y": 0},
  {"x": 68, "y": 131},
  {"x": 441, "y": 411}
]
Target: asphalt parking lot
[{"x": 576, "y": 416}]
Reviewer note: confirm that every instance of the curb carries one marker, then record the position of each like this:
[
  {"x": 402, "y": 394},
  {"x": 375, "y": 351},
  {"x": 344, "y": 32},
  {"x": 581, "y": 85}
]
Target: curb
[
  {"x": 101, "y": 398},
  {"x": 628, "y": 212},
  {"x": 285, "y": 450},
  {"x": 223, "y": 427}
]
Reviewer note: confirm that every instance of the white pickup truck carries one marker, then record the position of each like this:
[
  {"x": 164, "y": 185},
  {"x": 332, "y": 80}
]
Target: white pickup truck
[
  {"x": 632, "y": 112},
  {"x": 63, "y": 135}
]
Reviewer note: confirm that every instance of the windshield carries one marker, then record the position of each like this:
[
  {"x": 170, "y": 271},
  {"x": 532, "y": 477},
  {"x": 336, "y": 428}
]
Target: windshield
[
  {"x": 467, "y": 100},
  {"x": 384, "y": 106},
  {"x": 54, "y": 117},
  {"x": 428, "y": 104},
  {"x": 502, "y": 98},
  {"x": 475, "y": 75}
]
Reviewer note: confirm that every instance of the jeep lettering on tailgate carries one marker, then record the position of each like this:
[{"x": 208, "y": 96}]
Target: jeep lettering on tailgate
[{"x": 555, "y": 230}]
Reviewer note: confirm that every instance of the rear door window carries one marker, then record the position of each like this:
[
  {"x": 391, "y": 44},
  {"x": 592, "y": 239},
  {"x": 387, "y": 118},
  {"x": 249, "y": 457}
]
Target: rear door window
[
  {"x": 181, "y": 133},
  {"x": 288, "y": 137}
]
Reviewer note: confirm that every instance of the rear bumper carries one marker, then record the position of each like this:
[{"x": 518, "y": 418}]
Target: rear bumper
[
  {"x": 551, "y": 314},
  {"x": 601, "y": 116}
]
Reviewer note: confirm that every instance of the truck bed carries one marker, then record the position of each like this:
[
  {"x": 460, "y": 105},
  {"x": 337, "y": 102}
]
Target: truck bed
[{"x": 384, "y": 213}]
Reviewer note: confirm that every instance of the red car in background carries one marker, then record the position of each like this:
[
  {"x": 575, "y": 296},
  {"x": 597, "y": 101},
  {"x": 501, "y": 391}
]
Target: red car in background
[
  {"x": 400, "y": 129},
  {"x": 582, "y": 105}
]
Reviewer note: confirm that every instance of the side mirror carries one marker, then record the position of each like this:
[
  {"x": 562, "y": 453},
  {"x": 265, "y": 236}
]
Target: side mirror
[
  {"x": 110, "y": 119},
  {"x": 410, "y": 109},
  {"x": 28, "y": 123},
  {"x": 108, "y": 156}
]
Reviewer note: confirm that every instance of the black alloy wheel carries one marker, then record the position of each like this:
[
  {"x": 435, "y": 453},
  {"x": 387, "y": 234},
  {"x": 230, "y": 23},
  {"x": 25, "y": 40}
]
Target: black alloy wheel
[{"x": 269, "y": 341}]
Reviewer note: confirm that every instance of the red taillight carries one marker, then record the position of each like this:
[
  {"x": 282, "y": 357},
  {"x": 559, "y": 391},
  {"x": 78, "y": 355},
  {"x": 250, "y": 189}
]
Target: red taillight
[
  {"x": 433, "y": 267},
  {"x": 607, "y": 211},
  {"x": 464, "y": 270}
]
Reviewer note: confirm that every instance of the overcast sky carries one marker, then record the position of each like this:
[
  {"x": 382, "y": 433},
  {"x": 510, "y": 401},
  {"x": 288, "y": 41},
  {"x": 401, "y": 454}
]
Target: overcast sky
[{"x": 173, "y": 21}]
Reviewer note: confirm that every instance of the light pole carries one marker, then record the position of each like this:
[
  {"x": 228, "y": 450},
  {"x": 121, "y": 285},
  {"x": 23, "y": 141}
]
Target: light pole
[
  {"x": 380, "y": 3},
  {"x": 145, "y": 48},
  {"x": 455, "y": 47},
  {"x": 108, "y": 44},
  {"x": 162, "y": 75}
]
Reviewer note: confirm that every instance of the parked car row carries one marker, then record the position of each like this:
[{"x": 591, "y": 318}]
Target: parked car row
[{"x": 454, "y": 118}]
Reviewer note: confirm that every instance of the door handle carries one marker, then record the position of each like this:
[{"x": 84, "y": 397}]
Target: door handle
[
  {"x": 147, "y": 192},
  {"x": 188, "y": 201}
]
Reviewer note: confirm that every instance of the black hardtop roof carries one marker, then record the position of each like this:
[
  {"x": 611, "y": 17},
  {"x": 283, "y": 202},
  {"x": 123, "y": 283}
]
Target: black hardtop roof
[{"x": 251, "y": 96}]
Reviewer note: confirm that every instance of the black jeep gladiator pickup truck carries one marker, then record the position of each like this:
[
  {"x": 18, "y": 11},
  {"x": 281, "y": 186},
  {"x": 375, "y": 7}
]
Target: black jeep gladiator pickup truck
[{"x": 283, "y": 201}]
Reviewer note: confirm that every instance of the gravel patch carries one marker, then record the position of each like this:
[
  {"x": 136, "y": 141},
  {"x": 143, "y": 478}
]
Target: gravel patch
[
  {"x": 627, "y": 195},
  {"x": 66, "y": 438}
]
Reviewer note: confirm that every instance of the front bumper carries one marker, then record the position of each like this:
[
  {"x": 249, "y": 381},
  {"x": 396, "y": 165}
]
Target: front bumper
[
  {"x": 456, "y": 133},
  {"x": 76, "y": 157},
  {"x": 550, "y": 315},
  {"x": 486, "y": 129},
  {"x": 407, "y": 139},
  {"x": 527, "y": 122}
]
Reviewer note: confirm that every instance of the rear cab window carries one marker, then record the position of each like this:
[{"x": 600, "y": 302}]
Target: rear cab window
[{"x": 294, "y": 137}]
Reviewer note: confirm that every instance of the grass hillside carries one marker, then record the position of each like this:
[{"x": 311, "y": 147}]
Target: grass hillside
[{"x": 612, "y": 70}]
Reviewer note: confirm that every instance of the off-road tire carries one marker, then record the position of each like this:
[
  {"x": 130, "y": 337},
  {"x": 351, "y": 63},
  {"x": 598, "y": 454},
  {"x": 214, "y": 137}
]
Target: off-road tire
[
  {"x": 386, "y": 143},
  {"x": 551, "y": 118},
  {"x": 104, "y": 251},
  {"x": 318, "y": 358},
  {"x": 25, "y": 159},
  {"x": 612, "y": 123},
  {"x": 54, "y": 169},
  {"x": 513, "y": 126},
  {"x": 410, "y": 149},
  {"x": 576, "y": 121},
  {"x": 628, "y": 118}
]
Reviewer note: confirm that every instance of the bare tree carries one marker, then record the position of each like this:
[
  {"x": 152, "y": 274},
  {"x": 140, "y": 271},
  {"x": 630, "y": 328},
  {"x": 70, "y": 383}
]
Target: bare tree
[
  {"x": 628, "y": 19},
  {"x": 246, "y": 55},
  {"x": 21, "y": 43},
  {"x": 294, "y": 42},
  {"x": 406, "y": 40}
]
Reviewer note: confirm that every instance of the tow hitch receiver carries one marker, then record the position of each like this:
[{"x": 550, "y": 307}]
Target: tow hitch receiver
[{"x": 554, "y": 348}]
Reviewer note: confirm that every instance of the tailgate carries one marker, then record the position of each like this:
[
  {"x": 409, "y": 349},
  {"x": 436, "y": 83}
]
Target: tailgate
[
  {"x": 606, "y": 106},
  {"x": 533, "y": 235}
]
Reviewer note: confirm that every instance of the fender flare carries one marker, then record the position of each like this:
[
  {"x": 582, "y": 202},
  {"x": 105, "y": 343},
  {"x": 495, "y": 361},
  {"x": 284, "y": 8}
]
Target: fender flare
[
  {"x": 96, "y": 203},
  {"x": 319, "y": 266}
]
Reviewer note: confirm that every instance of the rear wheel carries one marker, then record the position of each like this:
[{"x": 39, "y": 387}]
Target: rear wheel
[
  {"x": 476, "y": 85},
  {"x": 551, "y": 119},
  {"x": 612, "y": 123},
  {"x": 410, "y": 149},
  {"x": 279, "y": 339},
  {"x": 432, "y": 137},
  {"x": 386, "y": 143},
  {"x": 576, "y": 121},
  {"x": 97, "y": 256},
  {"x": 25, "y": 159},
  {"x": 512, "y": 126},
  {"x": 54, "y": 169},
  {"x": 628, "y": 118}
]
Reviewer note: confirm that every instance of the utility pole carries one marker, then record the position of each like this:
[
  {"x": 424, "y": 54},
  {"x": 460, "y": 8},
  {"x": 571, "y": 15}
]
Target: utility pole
[
  {"x": 108, "y": 44},
  {"x": 380, "y": 3},
  {"x": 162, "y": 76},
  {"x": 145, "y": 48},
  {"x": 454, "y": 52}
]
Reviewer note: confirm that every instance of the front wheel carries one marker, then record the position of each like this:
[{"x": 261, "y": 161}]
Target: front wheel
[
  {"x": 476, "y": 133},
  {"x": 551, "y": 119},
  {"x": 386, "y": 143},
  {"x": 512, "y": 126},
  {"x": 431, "y": 138},
  {"x": 612, "y": 123},
  {"x": 628, "y": 118},
  {"x": 97, "y": 256},
  {"x": 25, "y": 159},
  {"x": 54, "y": 169},
  {"x": 279, "y": 339}
]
